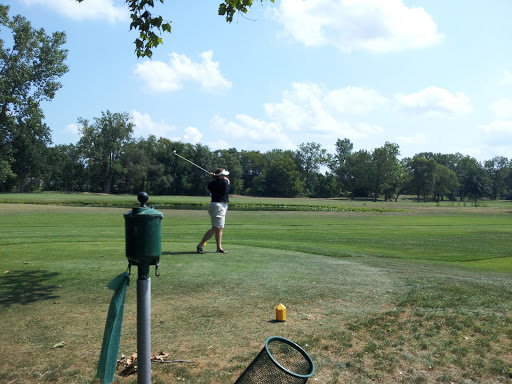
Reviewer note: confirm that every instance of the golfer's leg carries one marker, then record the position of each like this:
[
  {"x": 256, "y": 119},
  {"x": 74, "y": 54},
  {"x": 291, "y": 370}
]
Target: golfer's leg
[
  {"x": 218, "y": 238},
  {"x": 207, "y": 236},
  {"x": 209, "y": 233}
]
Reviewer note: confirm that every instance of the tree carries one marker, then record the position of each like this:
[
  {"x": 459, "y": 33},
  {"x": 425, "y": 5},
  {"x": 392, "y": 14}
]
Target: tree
[
  {"x": 344, "y": 148},
  {"x": 265, "y": 185},
  {"x": 474, "y": 180},
  {"x": 6, "y": 172},
  {"x": 327, "y": 186},
  {"x": 137, "y": 160},
  {"x": 438, "y": 178},
  {"x": 384, "y": 169},
  {"x": 423, "y": 174},
  {"x": 445, "y": 183},
  {"x": 401, "y": 179},
  {"x": 29, "y": 72},
  {"x": 150, "y": 26},
  {"x": 184, "y": 178},
  {"x": 253, "y": 163},
  {"x": 30, "y": 139},
  {"x": 283, "y": 179},
  {"x": 65, "y": 169},
  {"x": 338, "y": 164},
  {"x": 229, "y": 7},
  {"x": 309, "y": 158},
  {"x": 358, "y": 166},
  {"x": 102, "y": 144},
  {"x": 508, "y": 183},
  {"x": 498, "y": 169}
]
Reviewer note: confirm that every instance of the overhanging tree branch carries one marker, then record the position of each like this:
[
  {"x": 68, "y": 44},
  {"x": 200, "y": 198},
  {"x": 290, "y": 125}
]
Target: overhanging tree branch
[{"x": 151, "y": 27}]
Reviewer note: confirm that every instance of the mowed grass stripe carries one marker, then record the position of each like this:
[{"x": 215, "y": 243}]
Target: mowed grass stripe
[{"x": 456, "y": 238}]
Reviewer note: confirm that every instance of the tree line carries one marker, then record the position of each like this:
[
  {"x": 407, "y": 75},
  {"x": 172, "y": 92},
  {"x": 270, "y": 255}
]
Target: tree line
[{"x": 108, "y": 159}]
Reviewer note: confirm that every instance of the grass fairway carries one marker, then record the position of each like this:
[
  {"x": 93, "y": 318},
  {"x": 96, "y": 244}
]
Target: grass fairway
[{"x": 413, "y": 294}]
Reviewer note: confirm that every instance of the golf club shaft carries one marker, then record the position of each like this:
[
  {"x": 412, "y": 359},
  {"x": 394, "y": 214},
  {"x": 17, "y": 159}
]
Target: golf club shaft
[{"x": 191, "y": 162}]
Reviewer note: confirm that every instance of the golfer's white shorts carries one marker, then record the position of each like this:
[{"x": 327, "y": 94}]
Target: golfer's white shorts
[{"x": 217, "y": 213}]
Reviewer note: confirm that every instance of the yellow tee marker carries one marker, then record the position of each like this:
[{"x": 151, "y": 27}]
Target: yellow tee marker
[{"x": 281, "y": 313}]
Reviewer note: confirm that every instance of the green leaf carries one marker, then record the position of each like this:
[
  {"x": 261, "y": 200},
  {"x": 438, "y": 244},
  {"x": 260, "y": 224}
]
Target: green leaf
[
  {"x": 166, "y": 27},
  {"x": 157, "y": 21}
]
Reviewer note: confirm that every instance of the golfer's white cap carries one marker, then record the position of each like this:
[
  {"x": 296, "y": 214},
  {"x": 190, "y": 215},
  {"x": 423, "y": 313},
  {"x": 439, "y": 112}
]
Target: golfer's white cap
[{"x": 223, "y": 172}]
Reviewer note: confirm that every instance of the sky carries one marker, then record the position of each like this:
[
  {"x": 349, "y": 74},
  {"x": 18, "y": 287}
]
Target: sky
[{"x": 430, "y": 76}]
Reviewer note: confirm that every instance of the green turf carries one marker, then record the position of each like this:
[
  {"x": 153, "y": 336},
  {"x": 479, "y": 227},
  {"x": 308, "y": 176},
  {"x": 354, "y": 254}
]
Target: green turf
[{"x": 419, "y": 295}]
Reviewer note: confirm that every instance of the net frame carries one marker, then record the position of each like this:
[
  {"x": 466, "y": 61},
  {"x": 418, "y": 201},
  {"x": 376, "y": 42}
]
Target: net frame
[{"x": 281, "y": 360}]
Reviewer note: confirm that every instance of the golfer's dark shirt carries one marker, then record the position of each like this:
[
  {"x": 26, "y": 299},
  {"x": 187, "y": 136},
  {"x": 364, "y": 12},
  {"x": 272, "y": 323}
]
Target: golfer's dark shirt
[{"x": 219, "y": 189}]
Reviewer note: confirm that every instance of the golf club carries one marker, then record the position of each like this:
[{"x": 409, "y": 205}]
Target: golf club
[{"x": 190, "y": 162}]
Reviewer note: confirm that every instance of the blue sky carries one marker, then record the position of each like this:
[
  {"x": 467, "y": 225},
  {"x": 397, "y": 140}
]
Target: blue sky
[{"x": 431, "y": 76}]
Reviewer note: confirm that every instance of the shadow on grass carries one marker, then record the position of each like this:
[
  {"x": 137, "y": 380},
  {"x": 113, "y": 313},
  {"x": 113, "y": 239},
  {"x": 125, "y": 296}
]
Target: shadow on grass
[
  {"x": 27, "y": 287},
  {"x": 179, "y": 253}
]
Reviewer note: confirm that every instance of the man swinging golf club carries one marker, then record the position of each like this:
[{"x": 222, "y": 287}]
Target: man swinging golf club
[{"x": 217, "y": 209}]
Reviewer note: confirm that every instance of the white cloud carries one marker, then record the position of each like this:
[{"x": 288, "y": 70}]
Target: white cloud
[
  {"x": 358, "y": 25},
  {"x": 218, "y": 144},
  {"x": 499, "y": 128},
  {"x": 310, "y": 107},
  {"x": 297, "y": 106},
  {"x": 498, "y": 134},
  {"x": 355, "y": 100},
  {"x": 367, "y": 130},
  {"x": 293, "y": 113},
  {"x": 192, "y": 135},
  {"x": 158, "y": 76},
  {"x": 145, "y": 126},
  {"x": 310, "y": 112},
  {"x": 248, "y": 132},
  {"x": 74, "y": 129},
  {"x": 434, "y": 101},
  {"x": 502, "y": 108},
  {"x": 418, "y": 138},
  {"x": 169, "y": 77},
  {"x": 87, "y": 10}
]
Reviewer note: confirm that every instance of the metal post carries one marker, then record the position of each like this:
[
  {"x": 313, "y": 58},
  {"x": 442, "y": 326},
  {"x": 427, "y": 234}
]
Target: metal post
[
  {"x": 143, "y": 229},
  {"x": 143, "y": 329}
]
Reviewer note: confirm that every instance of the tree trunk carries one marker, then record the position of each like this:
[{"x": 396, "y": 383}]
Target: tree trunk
[
  {"x": 21, "y": 184},
  {"x": 108, "y": 181}
]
